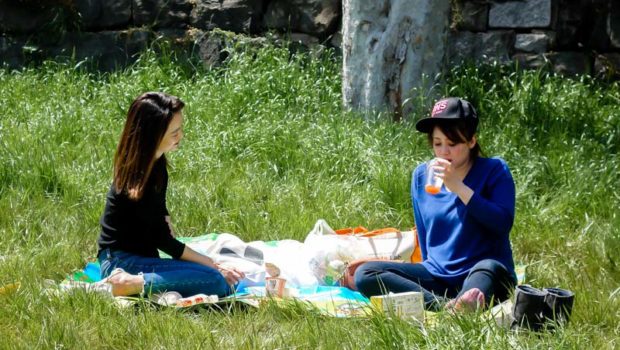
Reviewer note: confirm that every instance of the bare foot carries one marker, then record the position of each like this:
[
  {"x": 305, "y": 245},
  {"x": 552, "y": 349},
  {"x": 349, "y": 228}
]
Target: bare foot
[
  {"x": 124, "y": 283},
  {"x": 471, "y": 300}
]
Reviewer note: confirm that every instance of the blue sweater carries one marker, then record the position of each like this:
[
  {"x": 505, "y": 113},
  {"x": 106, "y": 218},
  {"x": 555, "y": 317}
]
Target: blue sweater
[{"x": 453, "y": 236}]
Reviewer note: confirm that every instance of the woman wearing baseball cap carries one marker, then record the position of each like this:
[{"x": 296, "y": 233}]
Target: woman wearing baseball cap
[{"x": 463, "y": 227}]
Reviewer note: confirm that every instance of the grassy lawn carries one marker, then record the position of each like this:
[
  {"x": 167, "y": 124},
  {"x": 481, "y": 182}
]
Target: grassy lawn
[{"x": 268, "y": 151}]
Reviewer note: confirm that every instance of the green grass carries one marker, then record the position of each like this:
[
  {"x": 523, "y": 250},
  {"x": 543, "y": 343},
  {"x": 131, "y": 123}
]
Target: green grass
[{"x": 268, "y": 151}]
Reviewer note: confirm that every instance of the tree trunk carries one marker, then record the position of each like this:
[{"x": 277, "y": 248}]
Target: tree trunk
[{"x": 390, "y": 48}]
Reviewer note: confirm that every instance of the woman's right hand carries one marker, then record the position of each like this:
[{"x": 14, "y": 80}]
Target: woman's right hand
[{"x": 231, "y": 274}]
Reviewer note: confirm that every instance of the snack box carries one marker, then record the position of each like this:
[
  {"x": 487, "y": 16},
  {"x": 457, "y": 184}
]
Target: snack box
[{"x": 407, "y": 304}]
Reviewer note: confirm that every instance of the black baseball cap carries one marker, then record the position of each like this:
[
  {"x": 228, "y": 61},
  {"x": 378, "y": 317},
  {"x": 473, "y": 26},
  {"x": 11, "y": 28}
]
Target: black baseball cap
[{"x": 448, "y": 109}]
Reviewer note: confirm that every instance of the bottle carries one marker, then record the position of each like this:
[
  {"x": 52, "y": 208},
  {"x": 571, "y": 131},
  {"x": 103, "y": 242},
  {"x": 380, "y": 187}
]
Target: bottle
[{"x": 433, "y": 182}]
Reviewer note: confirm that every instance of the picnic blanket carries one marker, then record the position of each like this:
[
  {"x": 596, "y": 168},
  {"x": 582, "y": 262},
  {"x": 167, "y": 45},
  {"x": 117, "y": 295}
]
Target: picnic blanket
[
  {"x": 319, "y": 260},
  {"x": 308, "y": 267},
  {"x": 250, "y": 258},
  {"x": 329, "y": 300},
  {"x": 302, "y": 265}
]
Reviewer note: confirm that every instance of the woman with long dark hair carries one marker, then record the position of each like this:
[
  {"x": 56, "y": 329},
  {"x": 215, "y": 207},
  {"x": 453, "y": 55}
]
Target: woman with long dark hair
[
  {"x": 136, "y": 223},
  {"x": 463, "y": 216}
]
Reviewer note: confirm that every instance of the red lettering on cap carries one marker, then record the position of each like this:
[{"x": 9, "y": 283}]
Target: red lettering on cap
[{"x": 439, "y": 107}]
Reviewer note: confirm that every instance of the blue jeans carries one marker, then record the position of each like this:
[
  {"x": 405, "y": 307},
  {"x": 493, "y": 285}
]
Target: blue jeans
[
  {"x": 160, "y": 275},
  {"x": 378, "y": 277}
]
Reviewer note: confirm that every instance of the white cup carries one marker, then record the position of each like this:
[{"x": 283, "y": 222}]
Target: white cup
[
  {"x": 275, "y": 286},
  {"x": 433, "y": 182}
]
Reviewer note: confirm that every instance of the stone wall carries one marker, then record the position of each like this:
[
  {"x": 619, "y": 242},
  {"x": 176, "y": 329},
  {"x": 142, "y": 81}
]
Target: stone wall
[{"x": 569, "y": 36}]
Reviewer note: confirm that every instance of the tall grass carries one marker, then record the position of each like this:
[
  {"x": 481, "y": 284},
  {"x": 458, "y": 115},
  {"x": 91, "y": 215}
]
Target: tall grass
[{"x": 269, "y": 150}]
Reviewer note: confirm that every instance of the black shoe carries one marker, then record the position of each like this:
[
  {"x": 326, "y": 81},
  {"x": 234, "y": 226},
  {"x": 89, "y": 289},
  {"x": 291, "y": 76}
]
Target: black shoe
[
  {"x": 528, "y": 307},
  {"x": 558, "y": 305}
]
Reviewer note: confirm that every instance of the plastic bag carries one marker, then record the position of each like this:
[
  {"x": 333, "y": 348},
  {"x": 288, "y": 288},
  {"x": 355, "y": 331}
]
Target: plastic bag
[{"x": 330, "y": 251}]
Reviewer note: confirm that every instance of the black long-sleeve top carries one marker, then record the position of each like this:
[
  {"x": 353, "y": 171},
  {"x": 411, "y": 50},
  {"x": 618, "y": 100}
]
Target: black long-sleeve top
[{"x": 140, "y": 227}]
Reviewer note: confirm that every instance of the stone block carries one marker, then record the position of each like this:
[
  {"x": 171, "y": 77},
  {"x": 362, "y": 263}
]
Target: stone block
[
  {"x": 532, "y": 42},
  {"x": 607, "y": 66},
  {"x": 21, "y": 18},
  {"x": 461, "y": 47},
  {"x": 302, "y": 42},
  {"x": 471, "y": 16},
  {"x": 175, "y": 40},
  {"x": 213, "y": 47},
  {"x": 103, "y": 14},
  {"x": 314, "y": 17},
  {"x": 572, "y": 11},
  {"x": 239, "y": 16},
  {"x": 570, "y": 63},
  {"x": 335, "y": 41},
  {"x": 105, "y": 50},
  {"x": 90, "y": 13},
  {"x": 134, "y": 41},
  {"x": 11, "y": 53},
  {"x": 564, "y": 63},
  {"x": 304, "y": 39},
  {"x": 581, "y": 24},
  {"x": 521, "y": 14},
  {"x": 596, "y": 36},
  {"x": 494, "y": 46},
  {"x": 530, "y": 61},
  {"x": 162, "y": 13},
  {"x": 568, "y": 37},
  {"x": 613, "y": 24}
]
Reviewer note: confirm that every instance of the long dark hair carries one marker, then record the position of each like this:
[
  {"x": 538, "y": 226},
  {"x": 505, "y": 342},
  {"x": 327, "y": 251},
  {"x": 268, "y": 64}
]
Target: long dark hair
[
  {"x": 458, "y": 131},
  {"x": 148, "y": 119}
]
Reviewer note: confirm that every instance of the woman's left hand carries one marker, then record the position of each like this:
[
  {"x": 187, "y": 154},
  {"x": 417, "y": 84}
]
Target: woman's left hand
[
  {"x": 453, "y": 181},
  {"x": 446, "y": 172}
]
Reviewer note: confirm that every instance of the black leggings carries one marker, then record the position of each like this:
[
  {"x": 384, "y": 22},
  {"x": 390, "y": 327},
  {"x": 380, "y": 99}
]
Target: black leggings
[{"x": 378, "y": 277}]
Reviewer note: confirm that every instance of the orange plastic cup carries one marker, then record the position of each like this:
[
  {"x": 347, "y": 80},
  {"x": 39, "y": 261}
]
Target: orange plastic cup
[{"x": 433, "y": 182}]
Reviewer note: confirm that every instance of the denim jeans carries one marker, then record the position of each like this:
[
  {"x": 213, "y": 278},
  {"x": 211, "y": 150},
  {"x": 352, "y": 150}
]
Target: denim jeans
[
  {"x": 161, "y": 275},
  {"x": 378, "y": 277}
]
